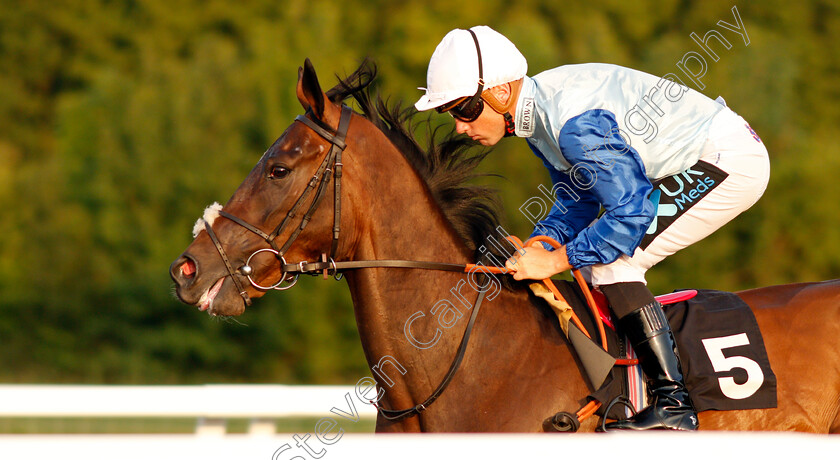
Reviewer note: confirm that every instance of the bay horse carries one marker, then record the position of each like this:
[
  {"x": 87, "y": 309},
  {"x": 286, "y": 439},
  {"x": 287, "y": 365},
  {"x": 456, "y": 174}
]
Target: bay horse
[{"x": 391, "y": 199}]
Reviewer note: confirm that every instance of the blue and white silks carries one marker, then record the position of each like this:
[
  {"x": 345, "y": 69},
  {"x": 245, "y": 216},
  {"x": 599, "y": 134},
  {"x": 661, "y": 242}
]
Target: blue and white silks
[{"x": 605, "y": 132}]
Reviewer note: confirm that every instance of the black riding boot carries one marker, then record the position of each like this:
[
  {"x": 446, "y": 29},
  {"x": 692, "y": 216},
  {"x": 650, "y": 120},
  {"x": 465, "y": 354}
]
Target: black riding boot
[{"x": 650, "y": 335}]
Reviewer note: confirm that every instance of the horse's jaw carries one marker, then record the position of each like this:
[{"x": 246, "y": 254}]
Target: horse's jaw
[{"x": 214, "y": 298}]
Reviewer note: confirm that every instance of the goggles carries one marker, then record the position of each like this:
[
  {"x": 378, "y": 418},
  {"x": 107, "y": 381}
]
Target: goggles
[{"x": 468, "y": 108}]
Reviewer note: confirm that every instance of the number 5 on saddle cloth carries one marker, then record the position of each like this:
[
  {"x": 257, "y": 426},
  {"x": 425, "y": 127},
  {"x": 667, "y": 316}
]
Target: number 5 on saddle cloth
[{"x": 721, "y": 349}]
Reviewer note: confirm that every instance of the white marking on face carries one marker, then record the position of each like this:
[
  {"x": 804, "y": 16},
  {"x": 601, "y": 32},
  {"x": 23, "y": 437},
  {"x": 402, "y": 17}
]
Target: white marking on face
[{"x": 209, "y": 216}]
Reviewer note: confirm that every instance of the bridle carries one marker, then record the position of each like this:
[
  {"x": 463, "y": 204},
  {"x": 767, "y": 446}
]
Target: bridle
[
  {"x": 318, "y": 182},
  {"x": 327, "y": 265}
]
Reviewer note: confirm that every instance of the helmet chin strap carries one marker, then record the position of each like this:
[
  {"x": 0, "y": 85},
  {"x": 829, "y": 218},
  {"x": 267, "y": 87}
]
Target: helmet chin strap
[{"x": 510, "y": 125}]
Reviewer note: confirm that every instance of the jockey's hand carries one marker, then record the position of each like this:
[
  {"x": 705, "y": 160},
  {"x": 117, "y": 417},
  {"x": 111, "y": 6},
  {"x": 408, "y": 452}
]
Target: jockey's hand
[{"x": 537, "y": 263}]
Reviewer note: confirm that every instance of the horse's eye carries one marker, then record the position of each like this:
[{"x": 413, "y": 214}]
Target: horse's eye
[{"x": 279, "y": 172}]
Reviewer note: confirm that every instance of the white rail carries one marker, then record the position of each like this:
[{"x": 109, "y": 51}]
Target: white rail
[{"x": 211, "y": 405}]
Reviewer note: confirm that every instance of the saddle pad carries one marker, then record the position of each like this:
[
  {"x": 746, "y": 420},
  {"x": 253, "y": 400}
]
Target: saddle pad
[{"x": 722, "y": 352}]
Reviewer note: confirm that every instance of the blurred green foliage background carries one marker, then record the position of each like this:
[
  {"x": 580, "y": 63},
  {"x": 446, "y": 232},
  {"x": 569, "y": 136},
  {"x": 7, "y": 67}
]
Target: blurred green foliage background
[{"x": 120, "y": 120}]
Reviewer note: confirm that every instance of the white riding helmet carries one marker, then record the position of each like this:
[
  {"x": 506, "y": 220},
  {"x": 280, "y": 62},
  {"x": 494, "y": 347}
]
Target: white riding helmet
[{"x": 453, "y": 69}]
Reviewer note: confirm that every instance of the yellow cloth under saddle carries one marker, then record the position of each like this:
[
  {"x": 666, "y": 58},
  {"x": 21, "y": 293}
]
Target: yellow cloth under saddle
[{"x": 563, "y": 310}]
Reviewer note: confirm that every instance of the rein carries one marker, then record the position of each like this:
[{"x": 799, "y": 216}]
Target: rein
[{"x": 328, "y": 266}]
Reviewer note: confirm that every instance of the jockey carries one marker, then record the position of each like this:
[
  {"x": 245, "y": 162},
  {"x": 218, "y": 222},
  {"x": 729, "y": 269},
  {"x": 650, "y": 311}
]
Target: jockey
[{"x": 607, "y": 134}]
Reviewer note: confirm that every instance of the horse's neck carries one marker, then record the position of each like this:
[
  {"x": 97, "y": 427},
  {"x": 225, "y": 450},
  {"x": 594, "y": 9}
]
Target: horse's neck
[
  {"x": 400, "y": 220},
  {"x": 409, "y": 358},
  {"x": 385, "y": 299}
]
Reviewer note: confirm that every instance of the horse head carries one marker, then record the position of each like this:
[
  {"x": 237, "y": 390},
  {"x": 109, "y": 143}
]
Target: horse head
[{"x": 252, "y": 244}]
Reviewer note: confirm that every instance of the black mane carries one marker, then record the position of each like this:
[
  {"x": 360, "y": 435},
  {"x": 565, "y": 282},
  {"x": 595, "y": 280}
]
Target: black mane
[{"x": 446, "y": 164}]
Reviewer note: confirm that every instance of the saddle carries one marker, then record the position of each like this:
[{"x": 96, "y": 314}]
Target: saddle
[{"x": 721, "y": 349}]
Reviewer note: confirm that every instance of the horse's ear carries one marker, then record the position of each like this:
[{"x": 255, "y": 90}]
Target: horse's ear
[{"x": 309, "y": 90}]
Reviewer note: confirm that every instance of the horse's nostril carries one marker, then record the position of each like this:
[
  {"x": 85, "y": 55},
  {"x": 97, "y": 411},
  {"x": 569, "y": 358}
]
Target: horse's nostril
[{"x": 188, "y": 269}]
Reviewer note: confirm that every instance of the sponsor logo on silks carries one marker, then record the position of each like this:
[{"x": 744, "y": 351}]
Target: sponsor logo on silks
[
  {"x": 526, "y": 122},
  {"x": 664, "y": 210},
  {"x": 754, "y": 134},
  {"x": 674, "y": 195}
]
